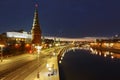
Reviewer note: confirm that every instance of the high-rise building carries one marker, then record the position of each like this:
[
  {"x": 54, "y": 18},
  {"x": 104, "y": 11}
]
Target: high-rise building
[{"x": 36, "y": 30}]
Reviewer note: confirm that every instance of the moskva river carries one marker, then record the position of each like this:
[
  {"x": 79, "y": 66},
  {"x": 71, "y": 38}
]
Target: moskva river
[{"x": 90, "y": 65}]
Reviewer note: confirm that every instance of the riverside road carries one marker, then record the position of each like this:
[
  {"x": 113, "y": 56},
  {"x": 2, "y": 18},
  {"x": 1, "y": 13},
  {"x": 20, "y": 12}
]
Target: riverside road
[{"x": 20, "y": 67}]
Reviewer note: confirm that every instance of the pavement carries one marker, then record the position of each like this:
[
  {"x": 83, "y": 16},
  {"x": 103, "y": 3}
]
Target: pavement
[
  {"x": 46, "y": 71},
  {"x": 43, "y": 72}
]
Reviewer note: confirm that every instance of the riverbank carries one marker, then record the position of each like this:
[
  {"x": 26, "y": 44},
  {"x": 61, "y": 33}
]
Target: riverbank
[{"x": 107, "y": 49}]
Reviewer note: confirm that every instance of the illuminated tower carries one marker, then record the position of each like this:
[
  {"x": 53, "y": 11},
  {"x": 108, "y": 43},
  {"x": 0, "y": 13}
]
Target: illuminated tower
[{"x": 36, "y": 31}]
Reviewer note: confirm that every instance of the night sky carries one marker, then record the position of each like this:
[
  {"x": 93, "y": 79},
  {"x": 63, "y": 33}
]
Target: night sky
[{"x": 65, "y": 18}]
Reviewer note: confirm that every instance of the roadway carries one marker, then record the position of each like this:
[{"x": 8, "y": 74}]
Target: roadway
[{"x": 20, "y": 67}]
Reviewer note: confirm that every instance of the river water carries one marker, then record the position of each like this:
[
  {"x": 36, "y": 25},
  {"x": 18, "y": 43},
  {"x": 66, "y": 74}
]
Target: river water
[{"x": 90, "y": 65}]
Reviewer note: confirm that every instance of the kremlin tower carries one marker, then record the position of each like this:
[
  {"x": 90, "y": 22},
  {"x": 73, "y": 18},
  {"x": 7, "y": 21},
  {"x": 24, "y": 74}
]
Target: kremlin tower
[{"x": 36, "y": 30}]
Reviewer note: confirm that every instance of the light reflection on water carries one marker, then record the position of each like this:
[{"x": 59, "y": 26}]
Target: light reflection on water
[
  {"x": 105, "y": 53},
  {"x": 82, "y": 63},
  {"x": 99, "y": 52}
]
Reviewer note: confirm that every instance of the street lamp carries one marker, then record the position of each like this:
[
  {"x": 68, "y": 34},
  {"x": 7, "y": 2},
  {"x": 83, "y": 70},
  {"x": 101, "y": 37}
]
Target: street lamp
[
  {"x": 54, "y": 54},
  {"x": 38, "y": 51},
  {"x": 1, "y": 52}
]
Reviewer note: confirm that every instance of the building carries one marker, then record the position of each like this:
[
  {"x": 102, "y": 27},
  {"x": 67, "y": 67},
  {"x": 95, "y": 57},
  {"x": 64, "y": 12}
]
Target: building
[
  {"x": 18, "y": 36},
  {"x": 36, "y": 31}
]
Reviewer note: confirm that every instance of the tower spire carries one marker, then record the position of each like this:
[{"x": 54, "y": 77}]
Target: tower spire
[{"x": 36, "y": 31}]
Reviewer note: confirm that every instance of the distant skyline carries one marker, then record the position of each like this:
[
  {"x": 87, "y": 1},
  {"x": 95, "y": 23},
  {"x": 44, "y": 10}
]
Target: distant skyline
[{"x": 63, "y": 18}]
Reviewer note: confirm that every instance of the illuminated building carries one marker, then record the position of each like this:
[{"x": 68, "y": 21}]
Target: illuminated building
[
  {"x": 36, "y": 31},
  {"x": 18, "y": 36}
]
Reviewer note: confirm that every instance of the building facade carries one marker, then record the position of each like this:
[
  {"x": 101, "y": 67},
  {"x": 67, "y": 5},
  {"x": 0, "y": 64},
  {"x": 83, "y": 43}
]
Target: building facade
[{"x": 18, "y": 36}]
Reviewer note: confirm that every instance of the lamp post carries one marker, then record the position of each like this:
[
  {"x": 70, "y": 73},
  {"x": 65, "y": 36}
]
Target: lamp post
[
  {"x": 38, "y": 53},
  {"x": 38, "y": 49},
  {"x": 1, "y": 52}
]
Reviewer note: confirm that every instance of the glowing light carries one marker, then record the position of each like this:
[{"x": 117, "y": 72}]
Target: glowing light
[
  {"x": 60, "y": 61},
  {"x": 107, "y": 52},
  {"x": 38, "y": 48},
  {"x": 57, "y": 44},
  {"x": 61, "y": 58},
  {"x": 111, "y": 53},
  {"x": 27, "y": 45},
  {"x": 54, "y": 53},
  {"x": 30, "y": 51},
  {"x": 91, "y": 49},
  {"x": 47, "y": 65},
  {"x": 2, "y": 45},
  {"x": 111, "y": 44},
  {"x": 105, "y": 55},
  {"x": 100, "y": 53},
  {"x": 50, "y": 69},
  {"x": 18, "y": 35},
  {"x": 50, "y": 45},
  {"x": 112, "y": 57},
  {"x": 96, "y": 51},
  {"x": 106, "y": 44},
  {"x": 36, "y": 5},
  {"x": 16, "y": 45},
  {"x": 63, "y": 55}
]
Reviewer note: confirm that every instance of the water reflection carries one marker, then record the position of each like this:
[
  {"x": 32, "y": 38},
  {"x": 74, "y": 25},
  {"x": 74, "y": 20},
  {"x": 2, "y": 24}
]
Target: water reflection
[
  {"x": 79, "y": 64},
  {"x": 105, "y": 53}
]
